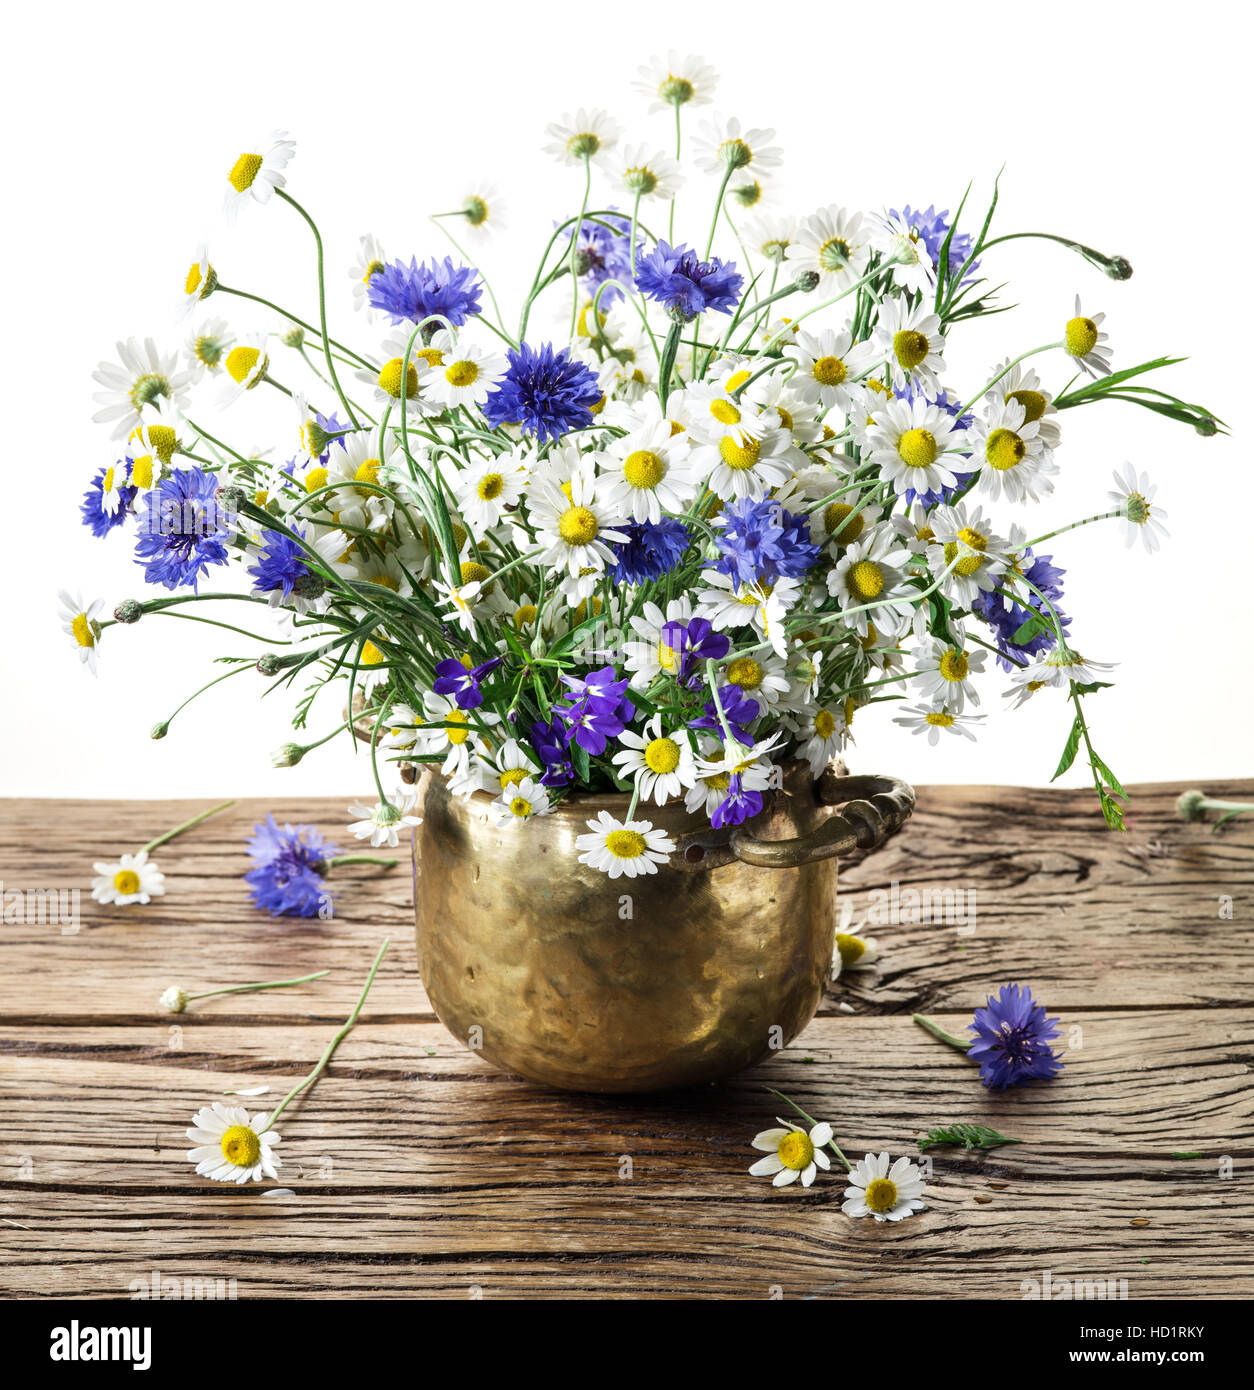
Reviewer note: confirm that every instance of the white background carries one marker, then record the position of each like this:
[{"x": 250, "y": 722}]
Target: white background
[{"x": 1115, "y": 128}]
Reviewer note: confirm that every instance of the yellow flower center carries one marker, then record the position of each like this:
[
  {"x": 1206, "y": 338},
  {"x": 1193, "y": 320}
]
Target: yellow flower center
[
  {"x": 825, "y": 723},
  {"x": 490, "y": 487},
  {"x": 1004, "y": 449},
  {"x": 745, "y": 672},
  {"x": 662, "y": 755},
  {"x": 126, "y": 881},
  {"x": 851, "y": 948},
  {"x": 644, "y": 469},
  {"x": 371, "y": 655},
  {"x": 315, "y": 478},
  {"x": 865, "y": 579},
  {"x": 390, "y": 379},
  {"x": 954, "y": 665},
  {"x": 625, "y": 844},
  {"x": 910, "y": 348},
  {"x": 511, "y": 777},
  {"x": 830, "y": 371},
  {"x": 241, "y": 1146},
  {"x": 367, "y": 472},
  {"x": 871, "y": 638},
  {"x": 456, "y": 716},
  {"x": 724, "y": 412},
  {"x": 736, "y": 380},
  {"x": 82, "y": 630},
  {"x": 432, "y": 356},
  {"x": 881, "y": 1194},
  {"x": 463, "y": 373},
  {"x": 969, "y": 563},
  {"x": 241, "y": 361},
  {"x": 372, "y": 270},
  {"x": 161, "y": 439},
  {"x": 667, "y": 658},
  {"x": 141, "y": 472},
  {"x": 796, "y": 1150},
  {"x": 1081, "y": 337},
  {"x": 520, "y": 806},
  {"x": 525, "y": 616},
  {"x": 739, "y": 456},
  {"x": 244, "y": 171},
  {"x": 835, "y": 519},
  {"x": 940, "y": 719},
  {"x": 472, "y": 570},
  {"x": 917, "y": 448},
  {"x": 578, "y": 526},
  {"x": 785, "y": 417},
  {"x": 1033, "y": 403}
]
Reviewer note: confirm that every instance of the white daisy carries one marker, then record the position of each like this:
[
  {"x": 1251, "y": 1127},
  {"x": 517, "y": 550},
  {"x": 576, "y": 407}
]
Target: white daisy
[
  {"x": 231, "y": 1147},
  {"x": 1022, "y": 384},
  {"x": 762, "y": 676},
  {"x": 487, "y": 489},
  {"x": 383, "y": 822},
  {"x": 1010, "y": 454},
  {"x": 648, "y": 471},
  {"x": 79, "y": 621},
  {"x": 662, "y": 764},
  {"x": 134, "y": 878},
  {"x": 461, "y": 601},
  {"x": 764, "y": 606},
  {"x": 393, "y": 377},
  {"x": 1084, "y": 342},
  {"x": 199, "y": 283},
  {"x": 933, "y": 719},
  {"x": 792, "y": 1153},
  {"x": 521, "y": 801},
  {"x": 484, "y": 210},
  {"x": 145, "y": 379},
  {"x": 909, "y": 336},
  {"x": 644, "y": 173},
  {"x": 649, "y": 654},
  {"x": 466, "y": 375},
  {"x": 829, "y": 364},
  {"x": 821, "y": 737},
  {"x": 887, "y": 1194},
  {"x": 943, "y": 672},
  {"x": 259, "y": 171},
  {"x": 906, "y": 251},
  {"x": 746, "y": 467},
  {"x": 1134, "y": 495},
  {"x": 588, "y": 134},
  {"x": 831, "y": 244},
  {"x": 246, "y": 365},
  {"x": 718, "y": 763},
  {"x": 207, "y": 346},
  {"x": 367, "y": 263},
  {"x": 677, "y": 81},
  {"x": 852, "y": 952},
  {"x": 722, "y": 146},
  {"x": 1058, "y": 668},
  {"x": 868, "y": 577},
  {"x": 966, "y": 541},
  {"x": 454, "y": 735},
  {"x": 623, "y": 848},
  {"x": 574, "y": 527},
  {"x": 770, "y": 234}
]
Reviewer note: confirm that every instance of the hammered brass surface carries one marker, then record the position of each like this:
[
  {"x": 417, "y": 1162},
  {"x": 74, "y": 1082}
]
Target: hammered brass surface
[{"x": 554, "y": 971}]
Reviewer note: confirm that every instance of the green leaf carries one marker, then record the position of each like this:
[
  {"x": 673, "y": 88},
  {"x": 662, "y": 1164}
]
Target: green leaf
[
  {"x": 1070, "y": 749},
  {"x": 1094, "y": 685},
  {"x": 1191, "y": 1153},
  {"x": 1032, "y": 626},
  {"x": 970, "y": 1136},
  {"x": 579, "y": 757},
  {"x": 1114, "y": 782}
]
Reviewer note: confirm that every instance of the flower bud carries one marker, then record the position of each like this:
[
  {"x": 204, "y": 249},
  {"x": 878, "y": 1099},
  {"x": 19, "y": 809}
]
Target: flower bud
[
  {"x": 174, "y": 1000},
  {"x": 130, "y": 610},
  {"x": 1119, "y": 268},
  {"x": 269, "y": 664},
  {"x": 160, "y": 730},
  {"x": 807, "y": 280},
  {"x": 1189, "y": 806},
  {"x": 288, "y": 755},
  {"x": 293, "y": 336}
]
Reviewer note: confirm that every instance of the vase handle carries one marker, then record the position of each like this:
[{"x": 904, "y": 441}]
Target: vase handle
[{"x": 872, "y": 809}]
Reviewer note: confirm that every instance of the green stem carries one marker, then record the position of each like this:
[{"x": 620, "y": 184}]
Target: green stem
[
  {"x": 360, "y": 859},
  {"x": 265, "y": 984},
  {"x": 187, "y": 825},
  {"x": 1071, "y": 526},
  {"x": 332, "y": 1045},
  {"x": 574, "y": 246},
  {"x": 962, "y": 1044},
  {"x": 284, "y": 313}
]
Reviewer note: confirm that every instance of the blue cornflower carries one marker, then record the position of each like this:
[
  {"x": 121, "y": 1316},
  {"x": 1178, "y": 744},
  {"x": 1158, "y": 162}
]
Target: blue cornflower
[
  {"x": 552, "y": 744},
  {"x": 694, "y": 643},
  {"x": 1012, "y": 1037},
  {"x": 737, "y": 806},
  {"x": 738, "y": 709},
  {"x": 596, "y": 709},
  {"x": 454, "y": 678},
  {"x": 652, "y": 549},
  {"x": 603, "y": 254},
  {"x": 933, "y": 228},
  {"x": 412, "y": 292},
  {"x": 183, "y": 529},
  {"x": 762, "y": 541},
  {"x": 103, "y": 511},
  {"x": 288, "y": 867},
  {"x": 281, "y": 568},
  {"x": 1006, "y": 617},
  {"x": 543, "y": 392},
  {"x": 686, "y": 286}
]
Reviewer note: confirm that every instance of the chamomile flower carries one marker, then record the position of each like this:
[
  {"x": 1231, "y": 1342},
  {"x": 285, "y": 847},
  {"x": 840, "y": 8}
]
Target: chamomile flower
[
  {"x": 792, "y": 1153},
  {"x": 831, "y": 244},
  {"x": 933, "y": 720},
  {"x": 146, "y": 379},
  {"x": 207, "y": 348},
  {"x": 850, "y": 951},
  {"x": 520, "y": 801},
  {"x": 259, "y": 171},
  {"x": 1058, "y": 667},
  {"x": 718, "y": 763},
  {"x": 508, "y": 767},
  {"x": 133, "y": 878},
  {"x": 1020, "y": 383},
  {"x": 486, "y": 489},
  {"x": 905, "y": 250},
  {"x": 232, "y": 1148},
  {"x": 383, "y": 822},
  {"x": 910, "y": 337},
  {"x": 484, "y": 210},
  {"x": 746, "y": 467},
  {"x": 415, "y": 380},
  {"x": 367, "y": 263},
  {"x": 965, "y": 544},
  {"x": 79, "y": 621},
  {"x": 588, "y": 134},
  {"x": 649, "y": 654},
  {"x": 676, "y": 82},
  {"x": 722, "y": 146},
  {"x": 884, "y": 1192},
  {"x": 770, "y": 235},
  {"x": 647, "y": 471},
  {"x": 623, "y": 849},
  {"x": 1134, "y": 496},
  {"x": 868, "y": 579},
  {"x": 466, "y": 375},
  {"x": 1010, "y": 454},
  {"x": 575, "y": 529},
  {"x": 821, "y": 736},
  {"x": 1083, "y": 341},
  {"x": 763, "y": 606},
  {"x": 461, "y": 601},
  {"x": 644, "y": 173},
  {"x": 829, "y": 365},
  {"x": 245, "y": 367},
  {"x": 760, "y": 675},
  {"x": 199, "y": 283},
  {"x": 660, "y": 763},
  {"x": 943, "y": 672}
]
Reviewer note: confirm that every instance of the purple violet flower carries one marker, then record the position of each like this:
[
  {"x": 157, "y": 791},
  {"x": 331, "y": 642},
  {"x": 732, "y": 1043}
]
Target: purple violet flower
[{"x": 453, "y": 677}]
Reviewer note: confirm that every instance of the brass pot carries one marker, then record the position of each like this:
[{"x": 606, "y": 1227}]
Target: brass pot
[{"x": 552, "y": 970}]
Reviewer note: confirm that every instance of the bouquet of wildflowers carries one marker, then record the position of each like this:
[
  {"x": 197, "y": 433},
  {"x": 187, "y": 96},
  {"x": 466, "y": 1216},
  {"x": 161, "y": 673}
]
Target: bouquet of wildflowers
[{"x": 727, "y": 499}]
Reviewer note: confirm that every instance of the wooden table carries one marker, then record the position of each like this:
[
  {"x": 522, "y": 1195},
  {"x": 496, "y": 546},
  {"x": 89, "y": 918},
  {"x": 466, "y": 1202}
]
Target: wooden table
[{"x": 417, "y": 1171}]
